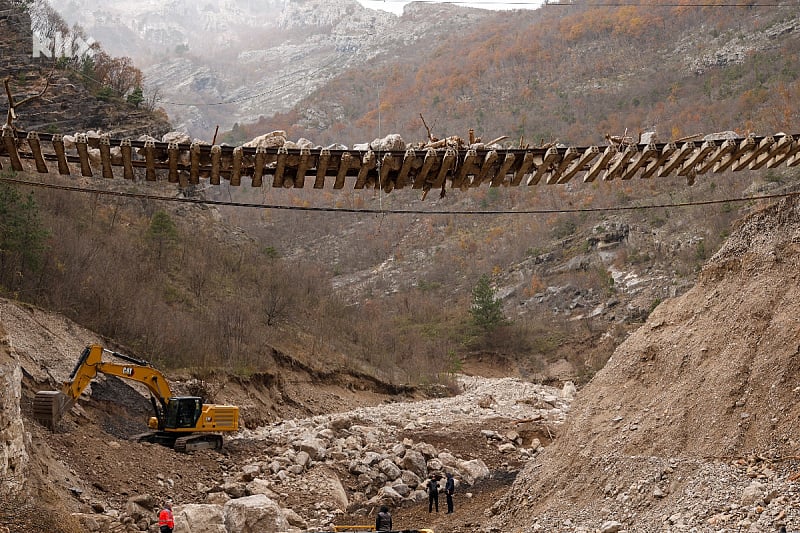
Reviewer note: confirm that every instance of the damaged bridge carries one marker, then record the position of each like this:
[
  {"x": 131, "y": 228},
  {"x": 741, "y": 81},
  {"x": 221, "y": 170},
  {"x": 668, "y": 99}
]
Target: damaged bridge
[{"x": 449, "y": 166}]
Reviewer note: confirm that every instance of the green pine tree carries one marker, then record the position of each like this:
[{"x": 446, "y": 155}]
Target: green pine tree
[
  {"x": 136, "y": 97},
  {"x": 162, "y": 233},
  {"x": 486, "y": 310},
  {"x": 22, "y": 236}
]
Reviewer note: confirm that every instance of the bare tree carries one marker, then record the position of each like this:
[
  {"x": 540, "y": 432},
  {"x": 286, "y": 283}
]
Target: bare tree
[{"x": 48, "y": 24}]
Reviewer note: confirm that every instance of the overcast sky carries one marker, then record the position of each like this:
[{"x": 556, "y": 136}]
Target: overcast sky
[{"x": 396, "y": 6}]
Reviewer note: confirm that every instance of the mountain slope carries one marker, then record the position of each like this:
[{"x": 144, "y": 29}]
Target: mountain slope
[
  {"x": 574, "y": 73},
  {"x": 241, "y": 60},
  {"x": 711, "y": 377}
]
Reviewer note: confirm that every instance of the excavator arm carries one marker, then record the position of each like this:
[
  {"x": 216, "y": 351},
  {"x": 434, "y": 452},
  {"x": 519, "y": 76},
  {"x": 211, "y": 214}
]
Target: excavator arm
[
  {"x": 50, "y": 406},
  {"x": 183, "y": 423}
]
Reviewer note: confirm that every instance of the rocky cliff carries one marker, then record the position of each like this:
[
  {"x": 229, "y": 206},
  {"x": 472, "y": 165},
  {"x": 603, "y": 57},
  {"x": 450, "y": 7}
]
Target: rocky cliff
[{"x": 13, "y": 438}]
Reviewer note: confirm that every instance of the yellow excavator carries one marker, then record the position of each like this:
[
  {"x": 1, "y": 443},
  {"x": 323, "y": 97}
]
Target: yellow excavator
[{"x": 184, "y": 423}]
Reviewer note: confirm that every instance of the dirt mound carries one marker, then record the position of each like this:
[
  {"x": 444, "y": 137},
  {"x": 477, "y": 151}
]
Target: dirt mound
[{"x": 712, "y": 377}]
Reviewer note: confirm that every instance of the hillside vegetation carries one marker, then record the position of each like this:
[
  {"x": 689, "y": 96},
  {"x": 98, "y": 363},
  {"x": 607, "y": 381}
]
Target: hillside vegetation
[
  {"x": 575, "y": 72},
  {"x": 391, "y": 295}
]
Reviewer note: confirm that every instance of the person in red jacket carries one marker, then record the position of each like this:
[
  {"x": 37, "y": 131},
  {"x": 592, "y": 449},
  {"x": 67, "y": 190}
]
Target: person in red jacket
[{"x": 165, "y": 519}]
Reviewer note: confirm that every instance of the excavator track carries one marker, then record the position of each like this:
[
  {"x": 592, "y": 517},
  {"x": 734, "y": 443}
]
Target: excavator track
[{"x": 192, "y": 443}]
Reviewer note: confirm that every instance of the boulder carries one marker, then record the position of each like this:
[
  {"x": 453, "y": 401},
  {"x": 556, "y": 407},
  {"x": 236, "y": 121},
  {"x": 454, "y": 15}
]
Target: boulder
[
  {"x": 273, "y": 139},
  {"x": 474, "y": 470},
  {"x": 414, "y": 461},
  {"x": 254, "y": 514},
  {"x": 199, "y": 518}
]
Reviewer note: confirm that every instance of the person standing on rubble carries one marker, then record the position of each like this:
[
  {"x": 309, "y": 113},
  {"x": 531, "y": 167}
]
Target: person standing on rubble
[
  {"x": 383, "y": 522},
  {"x": 166, "y": 522},
  {"x": 433, "y": 493},
  {"x": 449, "y": 489}
]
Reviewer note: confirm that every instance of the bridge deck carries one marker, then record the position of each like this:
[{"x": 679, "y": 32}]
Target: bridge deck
[{"x": 423, "y": 169}]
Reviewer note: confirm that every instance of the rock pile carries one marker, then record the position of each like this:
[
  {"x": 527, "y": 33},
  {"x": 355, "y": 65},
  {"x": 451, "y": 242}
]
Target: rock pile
[{"x": 304, "y": 473}]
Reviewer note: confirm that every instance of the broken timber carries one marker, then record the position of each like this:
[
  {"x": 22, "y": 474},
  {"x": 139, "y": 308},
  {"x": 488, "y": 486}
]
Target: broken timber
[{"x": 416, "y": 168}]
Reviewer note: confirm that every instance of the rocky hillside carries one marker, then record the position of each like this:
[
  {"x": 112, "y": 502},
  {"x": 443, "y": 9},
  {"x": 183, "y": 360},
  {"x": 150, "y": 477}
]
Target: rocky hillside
[
  {"x": 59, "y": 100},
  {"x": 693, "y": 421},
  {"x": 241, "y": 60}
]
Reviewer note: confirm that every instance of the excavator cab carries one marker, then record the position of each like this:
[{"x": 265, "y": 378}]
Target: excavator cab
[{"x": 183, "y": 412}]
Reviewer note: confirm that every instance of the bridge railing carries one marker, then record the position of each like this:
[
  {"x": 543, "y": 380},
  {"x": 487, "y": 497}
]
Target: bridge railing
[{"x": 417, "y": 168}]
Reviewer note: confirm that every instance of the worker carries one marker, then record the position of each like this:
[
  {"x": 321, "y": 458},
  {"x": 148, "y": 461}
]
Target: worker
[
  {"x": 383, "y": 522},
  {"x": 165, "y": 519},
  {"x": 449, "y": 489},
  {"x": 433, "y": 493}
]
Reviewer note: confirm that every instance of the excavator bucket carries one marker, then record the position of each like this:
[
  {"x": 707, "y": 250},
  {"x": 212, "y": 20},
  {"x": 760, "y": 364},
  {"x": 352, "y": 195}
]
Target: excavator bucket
[{"x": 49, "y": 406}]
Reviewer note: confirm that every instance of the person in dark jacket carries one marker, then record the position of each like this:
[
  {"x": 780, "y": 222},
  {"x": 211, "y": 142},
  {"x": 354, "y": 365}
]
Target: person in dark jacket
[
  {"x": 433, "y": 493},
  {"x": 383, "y": 522},
  {"x": 449, "y": 489}
]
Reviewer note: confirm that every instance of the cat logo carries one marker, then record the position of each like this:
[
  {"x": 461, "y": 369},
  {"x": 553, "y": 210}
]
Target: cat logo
[{"x": 127, "y": 371}]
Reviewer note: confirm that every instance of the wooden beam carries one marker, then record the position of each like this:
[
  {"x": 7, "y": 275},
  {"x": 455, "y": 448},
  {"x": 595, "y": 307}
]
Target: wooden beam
[
  {"x": 258, "y": 166},
  {"x": 570, "y": 154},
  {"x": 389, "y": 164},
  {"x": 620, "y": 162},
  {"x": 344, "y": 165},
  {"x": 305, "y": 163},
  {"x": 697, "y": 157},
  {"x": 765, "y": 144},
  {"x": 575, "y": 167},
  {"x": 194, "y": 163},
  {"x": 677, "y": 158},
  {"x": 500, "y": 176},
  {"x": 82, "y": 145},
  {"x": 236, "y": 167},
  {"x": 650, "y": 152},
  {"x": 524, "y": 167},
  {"x": 409, "y": 160},
  {"x": 322, "y": 168},
  {"x": 280, "y": 167},
  {"x": 449, "y": 159},
  {"x": 655, "y": 164},
  {"x": 127, "y": 158},
  {"x": 785, "y": 156},
  {"x": 173, "y": 157},
  {"x": 600, "y": 164},
  {"x": 150, "y": 161},
  {"x": 711, "y": 161},
  {"x": 747, "y": 144},
  {"x": 551, "y": 157},
  {"x": 488, "y": 160},
  {"x": 105, "y": 157},
  {"x": 368, "y": 162},
  {"x": 10, "y": 143},
  {"x": 36, "y": 149},
  {"x": 782, "y": 146},
  {"x": 427, "y": 164},
  {"x": 216, "y": 158},
  {"x": 61, "y": 154},
  {"x": 468, "y": 166}
]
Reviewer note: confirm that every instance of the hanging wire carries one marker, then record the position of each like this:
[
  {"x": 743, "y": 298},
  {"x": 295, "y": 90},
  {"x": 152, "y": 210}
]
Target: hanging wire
[{"x": 144, "y": 196}]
